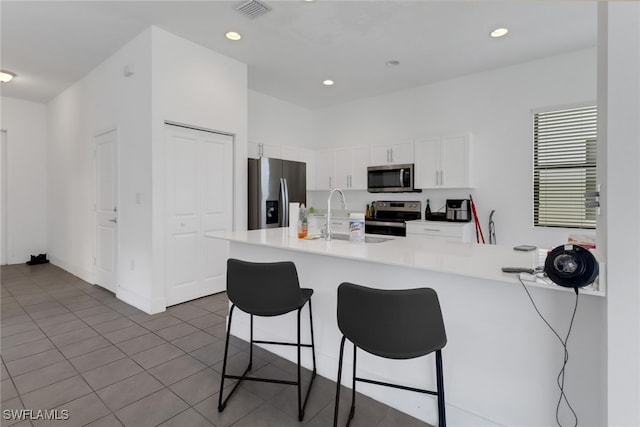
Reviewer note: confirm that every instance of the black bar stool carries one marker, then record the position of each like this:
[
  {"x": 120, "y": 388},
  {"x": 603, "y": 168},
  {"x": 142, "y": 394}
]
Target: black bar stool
[
  {"x": 394, "y": 324},
  {"x": 266, "y": 289}
]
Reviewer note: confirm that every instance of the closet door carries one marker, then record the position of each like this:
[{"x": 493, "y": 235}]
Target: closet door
[{"x": 199, "y": 200}]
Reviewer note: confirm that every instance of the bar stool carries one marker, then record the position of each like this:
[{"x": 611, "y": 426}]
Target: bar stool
[
  {"x": 394, "y": 324},
  {"x": 266, "y": 289}
]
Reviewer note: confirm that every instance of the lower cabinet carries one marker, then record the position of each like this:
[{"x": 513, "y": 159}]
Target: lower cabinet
[{"x": 451, "y": 231}]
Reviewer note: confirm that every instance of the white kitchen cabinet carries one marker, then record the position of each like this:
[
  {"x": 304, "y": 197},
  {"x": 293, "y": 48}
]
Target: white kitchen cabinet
[
  {"x": 395, "y": 153},
  {"x": 350, "y": 167},
  {"x": 443, "y": 162},
  {"x": 324, "y": 169},
  {"x": 309, "y": 158},
  {"x": 260, "y": 149},
  {"x": 451, "y": 231}
]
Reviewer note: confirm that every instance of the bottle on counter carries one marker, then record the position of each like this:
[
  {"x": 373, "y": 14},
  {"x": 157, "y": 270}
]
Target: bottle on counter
[
  {"x": 356, "y": 227},
  {"x": 303, "y": 222},
  {"x": 373, "y": 210},
  {"x": 367, "y": 213},
  {"x": 427, "y": 210}
]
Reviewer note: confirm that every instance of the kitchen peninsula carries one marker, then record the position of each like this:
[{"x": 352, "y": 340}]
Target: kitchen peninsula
[{"x": 500, "y": 362}]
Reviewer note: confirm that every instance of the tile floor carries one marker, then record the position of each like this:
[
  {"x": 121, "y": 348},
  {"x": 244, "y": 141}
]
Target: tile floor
[{"x": 67, "y": 345}]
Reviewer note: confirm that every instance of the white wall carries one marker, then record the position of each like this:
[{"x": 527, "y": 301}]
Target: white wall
[
  {"x": 274, "y": 121},
  {"x": 619, "y": 93},
  {"x": 496, "y": 107},
  {"x": 103, "y": 100},
  {"x": 27, "y": 183},
  {"x": 195, "y": 86}
]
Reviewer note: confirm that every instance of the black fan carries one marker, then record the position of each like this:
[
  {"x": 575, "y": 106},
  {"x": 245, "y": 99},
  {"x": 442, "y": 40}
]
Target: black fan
[{"x": 571, "y": 266}]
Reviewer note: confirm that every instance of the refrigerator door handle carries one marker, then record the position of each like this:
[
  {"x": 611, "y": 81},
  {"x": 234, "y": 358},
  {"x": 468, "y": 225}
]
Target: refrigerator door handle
[{"x": 284, "y": 199}]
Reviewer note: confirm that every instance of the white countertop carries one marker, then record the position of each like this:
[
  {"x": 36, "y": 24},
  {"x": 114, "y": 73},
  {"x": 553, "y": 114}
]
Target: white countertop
[{"x": 466, "y": 259}]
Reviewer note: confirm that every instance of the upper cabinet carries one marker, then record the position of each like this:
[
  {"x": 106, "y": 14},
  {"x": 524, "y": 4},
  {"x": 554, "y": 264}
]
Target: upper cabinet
[
  {"x": 395, "y": 153},
  {"x": 324, "y": 169},
  {"x": 443, "y": 162},
  {"x": 350, "y": 167},
  {"x": 260, "y": 149}
]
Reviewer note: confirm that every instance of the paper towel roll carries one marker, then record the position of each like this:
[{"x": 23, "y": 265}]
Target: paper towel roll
[{"x": 294, "y": 213}]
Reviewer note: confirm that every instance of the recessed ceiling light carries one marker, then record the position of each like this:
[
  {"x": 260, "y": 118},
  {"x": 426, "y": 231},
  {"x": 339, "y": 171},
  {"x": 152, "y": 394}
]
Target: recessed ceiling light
[
  {"x": 499, "y": 32},
  {"x": 328, "y": 82},
  {"x": 232, "y": 35},
  {"x": 6, "y": 76},
  {"x": 392, "y": 63}
]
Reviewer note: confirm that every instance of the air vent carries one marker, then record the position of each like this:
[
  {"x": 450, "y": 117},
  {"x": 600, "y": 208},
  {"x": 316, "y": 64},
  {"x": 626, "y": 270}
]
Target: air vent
[{"x": 253, "y": 8}]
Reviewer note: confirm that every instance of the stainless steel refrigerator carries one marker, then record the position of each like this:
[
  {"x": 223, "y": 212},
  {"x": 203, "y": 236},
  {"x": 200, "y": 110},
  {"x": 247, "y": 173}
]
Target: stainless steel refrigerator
[{"x": 273, "y": 184}]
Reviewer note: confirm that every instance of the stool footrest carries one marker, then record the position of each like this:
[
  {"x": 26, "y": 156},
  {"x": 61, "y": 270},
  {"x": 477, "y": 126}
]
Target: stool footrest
[
  {"x": 293, "y": 344},
  {"x": 401, "y": 387}
]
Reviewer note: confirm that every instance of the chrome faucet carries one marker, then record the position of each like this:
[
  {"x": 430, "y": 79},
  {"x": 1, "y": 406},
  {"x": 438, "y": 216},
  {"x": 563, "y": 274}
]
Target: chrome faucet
[{"x": 344, "y": 206}]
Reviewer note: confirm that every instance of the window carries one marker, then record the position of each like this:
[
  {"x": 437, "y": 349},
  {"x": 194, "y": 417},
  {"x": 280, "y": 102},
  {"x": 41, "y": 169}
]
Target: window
[{"x": 564, "y": 167}]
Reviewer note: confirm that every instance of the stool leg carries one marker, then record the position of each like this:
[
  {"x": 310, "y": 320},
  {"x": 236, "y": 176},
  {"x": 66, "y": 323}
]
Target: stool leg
[
  {"x": 224, "y": 363},
  {"x": 300, "y": 410},
  {"x": 353, "y": 388},
  {"x": 251, "y": 343},
  {"x": 335, "y": 414},
  {"x": 440, "y": 383},
  {"x": 313, "y": 346}
]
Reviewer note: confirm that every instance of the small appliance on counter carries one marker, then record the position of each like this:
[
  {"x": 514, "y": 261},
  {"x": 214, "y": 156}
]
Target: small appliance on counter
[{"x": 458, "y": 210}]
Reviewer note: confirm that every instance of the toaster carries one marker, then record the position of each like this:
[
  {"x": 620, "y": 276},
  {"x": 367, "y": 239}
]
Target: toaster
[{"x": 458, "y": 210}]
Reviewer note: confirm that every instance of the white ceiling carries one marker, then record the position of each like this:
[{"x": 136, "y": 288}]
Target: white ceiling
[{"x": 290, "y": 50}]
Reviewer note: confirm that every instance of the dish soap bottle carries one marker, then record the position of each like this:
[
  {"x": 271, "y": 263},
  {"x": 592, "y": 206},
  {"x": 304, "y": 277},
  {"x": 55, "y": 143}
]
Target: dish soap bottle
[{"x": 303, "y": 222}]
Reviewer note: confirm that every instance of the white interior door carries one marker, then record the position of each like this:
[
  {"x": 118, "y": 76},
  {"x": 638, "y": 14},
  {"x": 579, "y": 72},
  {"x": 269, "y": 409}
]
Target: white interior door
[
  {"x": 106, "y": 165},
  {"x": 199, "y": 200},
  {"x": 3, "y": 197}
]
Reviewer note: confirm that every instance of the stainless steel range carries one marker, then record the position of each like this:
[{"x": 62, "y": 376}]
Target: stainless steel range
[{"x": 391, "y": 217}]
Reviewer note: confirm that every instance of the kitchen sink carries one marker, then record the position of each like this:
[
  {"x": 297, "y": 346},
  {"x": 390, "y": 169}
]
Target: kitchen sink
[{"x": 367, "y": 239}]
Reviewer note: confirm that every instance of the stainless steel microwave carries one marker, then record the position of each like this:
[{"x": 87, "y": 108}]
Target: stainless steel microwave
[{"x": 391, "y": 178}]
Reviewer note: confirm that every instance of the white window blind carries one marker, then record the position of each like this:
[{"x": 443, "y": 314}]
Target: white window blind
[{"x": 564, "y": 167}]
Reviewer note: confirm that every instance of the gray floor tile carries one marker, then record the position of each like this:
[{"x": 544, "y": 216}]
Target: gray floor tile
[
  {"x": 102, "y": 317},
  {"x": 113, "y": 325},
  {"x": 56, "y": 394},
  {"x": 129, "y": 390},
  {"x": 157, "y": 355},
  {"x": 152, "y": 410},
  {"x": 97, "y": 358},
  {"x": 53, "y": 314},
  {"x": 12, "y": 318},
  {"x": 36, "y": 361},
  {"x": 161, "y": 322},
  {"x": 211, "y": 304},
  {"x": 126, "y": 333},
  {"x": 207, "y": 321},
  {"x": 190, "y": 417},
  {"x": 213, "y": 353},
  {"x": 186, "y": 311},
  {"x": 111, "y": 373},
  {"x": 82, "y": 411},
  {"x": 108, "y": 421},
  {"x": 9, "y": 405},
  {"x": 28, "y": 349},
  {"x": 4, "y": 372},
  {"x": 241, "y": 403},
  {"x": 92, "y": 311},
  {"x": 61, "y": 328},
  {"x": 141, "y": 343},
  {"x": 7, "y": 390},
  {"x": 176, "y": 369},
  {"x": 44, "y": 376},
  {"x": 18, "y": 328},
  {"x": 176, "y": 331},
  {"x": 55, "y": 320},
  {"x": 84, "y": 347},
  {"x": 198, "y": 386},
  {"x": 267, "y": 416},
  {"x": 194, "y": 341},
  {"x": 22, "y": 338},
  {"x": 73, "y": 337}
]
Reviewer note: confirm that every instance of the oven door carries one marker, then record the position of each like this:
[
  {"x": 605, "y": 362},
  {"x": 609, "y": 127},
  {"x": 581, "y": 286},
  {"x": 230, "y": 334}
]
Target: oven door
[{"x": 387, "y": 228}]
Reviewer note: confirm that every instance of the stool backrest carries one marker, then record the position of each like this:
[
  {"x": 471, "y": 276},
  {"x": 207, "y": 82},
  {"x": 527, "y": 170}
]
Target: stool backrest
[
  {"x": 396, "y": 324},
  {"x": 263, "y": 289}
]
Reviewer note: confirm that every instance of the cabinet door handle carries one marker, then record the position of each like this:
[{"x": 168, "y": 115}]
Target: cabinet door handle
[
  {"x": 432, "y": 229},
  {"x": 437, "y": 178},
  {"x": 391, "y": 154},
  {"x": 329, "y": 183},
  {"x": 441, "y": 178}
]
